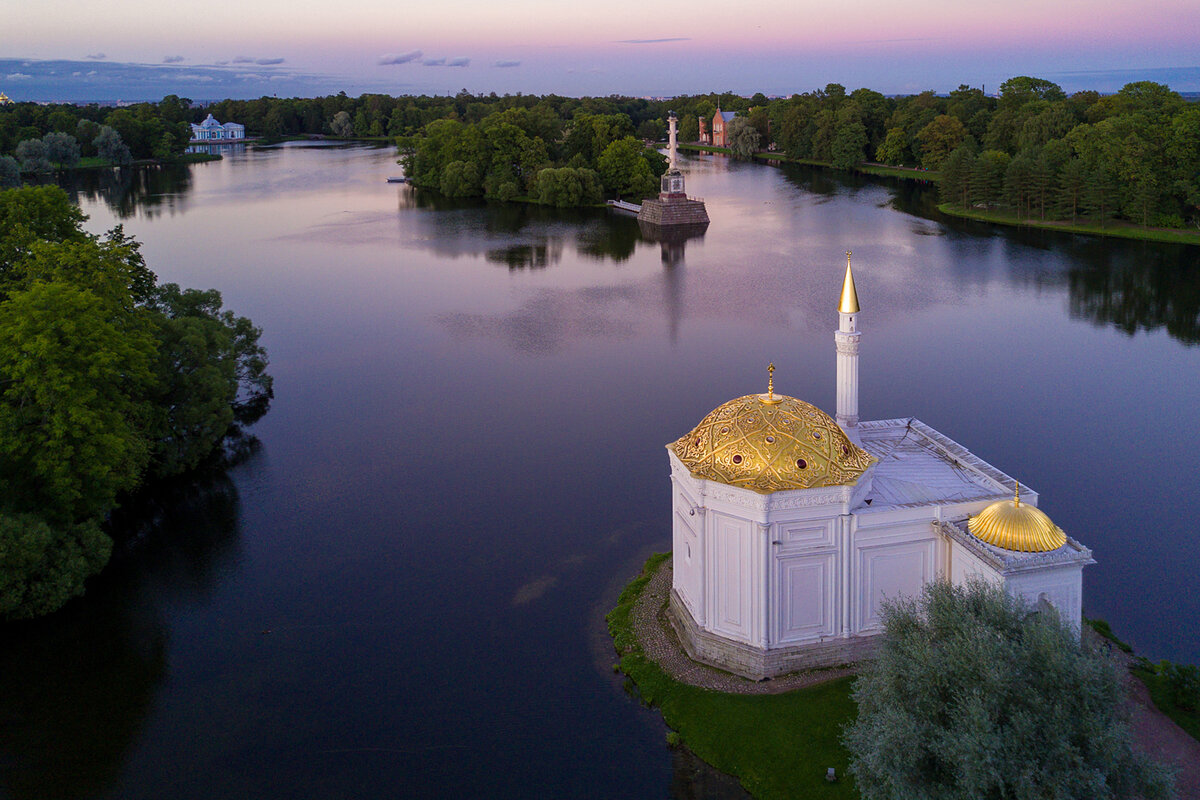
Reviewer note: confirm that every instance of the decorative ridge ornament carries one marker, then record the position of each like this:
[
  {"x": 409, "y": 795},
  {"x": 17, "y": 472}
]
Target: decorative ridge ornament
[
  {"x": 849, "y": 303},
  {"x": 770, "y": 398}
]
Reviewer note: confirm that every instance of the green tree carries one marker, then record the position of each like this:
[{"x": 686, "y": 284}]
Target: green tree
[
  {"x": 939, "y": 139},
  {"x": 210, "y": 375},
  {"x": 29, "y": 214},
  {"x": 73, "y": 369},
  {"x": 61, "y": 149},
  {"x": 894, "y": 145},
  {"x": 33, "y": 157},
  {"x": 987, "y": 178},
  {"x": 10, "y": 172},
  {"x": 955, "y": 183},
  {"x": 742, "y": 137},
  {"x": 1072, "y": 186},
  {"x": 1020, "y": 184},
  {"x": 461, "y": 179},
  {"x": 567, "y": 187},
  {"x": 972, "y": 696},
  {"x": 41, "y": 566},
  {"x": 848, "y": 145},
  {"x": 624, "y": 169},
  {"x": 342, "y": 125},
  {"x": 109, "y": 146}
]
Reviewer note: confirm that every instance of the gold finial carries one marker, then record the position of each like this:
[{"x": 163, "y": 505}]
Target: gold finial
[
  {"x": 1017, "y": 494},
  {"x": 769, "y": 398},
  {"x": 849, "y": 303}
]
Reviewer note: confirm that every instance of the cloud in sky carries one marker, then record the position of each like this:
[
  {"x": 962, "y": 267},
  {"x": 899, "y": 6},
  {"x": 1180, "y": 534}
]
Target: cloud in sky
[
  {"x": 172, "y": 59},
  {"x": 97, "y": 56},
  {"x": 447, "y": 62},
  {"x": 262, "y": 62},
  {"x": 17, "y": 76},
  {"x": 655, "y": 41},
  {"x": 505, "y": 64},
  {"x": 402, "y": 58}
]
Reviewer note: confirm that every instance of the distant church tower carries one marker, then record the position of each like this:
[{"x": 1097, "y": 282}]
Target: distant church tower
[{"x": 847, "y": 337}]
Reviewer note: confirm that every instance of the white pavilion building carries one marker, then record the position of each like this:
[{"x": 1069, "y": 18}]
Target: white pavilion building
[
  {"x": 791, "y": 529},
  {"x": 212, "y": 131}
]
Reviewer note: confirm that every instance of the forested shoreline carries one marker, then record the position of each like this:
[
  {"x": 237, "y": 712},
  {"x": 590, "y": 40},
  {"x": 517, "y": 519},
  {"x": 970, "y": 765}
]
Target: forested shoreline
[
  {"x": 1031, "y": 150},
  {"x": 108, "y": 381}
]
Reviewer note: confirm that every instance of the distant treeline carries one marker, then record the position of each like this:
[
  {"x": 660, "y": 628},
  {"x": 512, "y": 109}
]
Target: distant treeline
[
  {"x": 1032, "y": 149},
  {"x": 41, "y": 137}
]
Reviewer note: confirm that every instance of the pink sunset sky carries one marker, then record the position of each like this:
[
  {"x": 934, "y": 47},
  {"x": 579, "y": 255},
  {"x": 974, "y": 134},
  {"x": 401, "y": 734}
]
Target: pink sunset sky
[{"x": 619, "y": 46}]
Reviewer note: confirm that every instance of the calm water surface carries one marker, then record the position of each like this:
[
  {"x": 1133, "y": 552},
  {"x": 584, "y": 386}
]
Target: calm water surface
[{"x": 401, "y": 593}]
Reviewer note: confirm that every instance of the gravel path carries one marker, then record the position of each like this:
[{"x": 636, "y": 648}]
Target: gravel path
[{"x": 661, "y": 645}]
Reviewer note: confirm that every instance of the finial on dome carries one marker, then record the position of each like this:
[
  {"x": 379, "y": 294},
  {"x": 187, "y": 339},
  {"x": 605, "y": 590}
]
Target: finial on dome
[
  {"x": 849, "y": 303},
  {"x": 769, "y": 398},
  {"x": 1017, "y": 494}
]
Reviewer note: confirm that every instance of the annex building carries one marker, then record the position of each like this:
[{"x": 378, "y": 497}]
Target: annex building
[{"x": 791, "y": 528}]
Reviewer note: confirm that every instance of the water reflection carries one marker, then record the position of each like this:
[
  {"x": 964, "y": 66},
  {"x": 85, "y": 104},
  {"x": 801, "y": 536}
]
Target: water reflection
[
  {"x": 213, "y": 149},
  {"x": 535, "y": 255},
  {"x": 89, "y": 675},
  {"x": 1139, "y": 289},
  {"x": 130, "y": 191}
]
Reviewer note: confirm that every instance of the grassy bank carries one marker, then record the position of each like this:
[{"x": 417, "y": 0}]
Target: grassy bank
[
  {"x": 1164, "y": 698},
  {"x": 778, "y": 746},
  {"x": 1121, "y": 230}
]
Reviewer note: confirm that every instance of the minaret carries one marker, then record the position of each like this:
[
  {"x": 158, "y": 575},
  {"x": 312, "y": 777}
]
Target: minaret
[{"x": 846, "y": 338}]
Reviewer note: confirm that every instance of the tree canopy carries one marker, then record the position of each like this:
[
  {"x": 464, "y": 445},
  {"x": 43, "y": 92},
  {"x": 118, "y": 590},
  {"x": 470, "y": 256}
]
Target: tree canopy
[
  {"x": 973, "y": 696},
  {"x": 107, "y": 380}
]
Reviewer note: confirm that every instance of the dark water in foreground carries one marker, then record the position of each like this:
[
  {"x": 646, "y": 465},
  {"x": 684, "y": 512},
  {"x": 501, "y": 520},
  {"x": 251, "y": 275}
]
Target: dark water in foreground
[{"x": 401, "y": 593}]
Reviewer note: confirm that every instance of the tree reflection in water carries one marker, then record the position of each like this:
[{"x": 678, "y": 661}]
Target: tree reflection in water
[
  {"x": 131, "y": 191},
  {"x": 1138, "y": 288},
  {"x": 89, "y": 674}
]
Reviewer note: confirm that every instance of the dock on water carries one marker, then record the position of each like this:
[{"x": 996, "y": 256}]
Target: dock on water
[{"x": 625, "y": 206}]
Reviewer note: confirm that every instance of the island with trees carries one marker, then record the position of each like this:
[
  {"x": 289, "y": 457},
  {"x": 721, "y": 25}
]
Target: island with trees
[{"x": 109, "y": 381}]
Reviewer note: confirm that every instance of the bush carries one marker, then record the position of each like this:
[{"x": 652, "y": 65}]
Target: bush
[
  {"x": 973, "y": 696},
  {"x": 42, "y": 567},
  {"x": 1182, "y": 683}
]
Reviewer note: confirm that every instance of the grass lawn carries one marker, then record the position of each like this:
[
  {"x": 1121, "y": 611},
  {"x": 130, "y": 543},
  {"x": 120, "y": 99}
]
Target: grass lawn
[
  {"x": 1122, "y": 230},
  {"x": 865, "y": 169},
  {"x": 778, "y": 745}
]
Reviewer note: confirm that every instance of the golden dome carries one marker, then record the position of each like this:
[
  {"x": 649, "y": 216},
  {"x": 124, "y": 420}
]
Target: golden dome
[
  {"x": 770, "y": 442},
  {"x": 1014, "y": 525}
]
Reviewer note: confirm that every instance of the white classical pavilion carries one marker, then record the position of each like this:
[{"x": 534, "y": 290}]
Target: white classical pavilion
[
  {"x": 212, "y": 131},
  {"x": 791, "y": 529}
]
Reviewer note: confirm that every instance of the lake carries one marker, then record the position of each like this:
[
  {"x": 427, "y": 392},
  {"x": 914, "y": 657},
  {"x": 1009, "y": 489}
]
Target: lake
[{"x": 401, "y": 593}]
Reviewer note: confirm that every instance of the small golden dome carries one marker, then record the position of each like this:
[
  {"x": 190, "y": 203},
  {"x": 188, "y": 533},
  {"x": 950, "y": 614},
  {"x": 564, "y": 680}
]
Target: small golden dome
[
  {"x": 1014, "y": 525},
  {"x": 771, "y": 442}
]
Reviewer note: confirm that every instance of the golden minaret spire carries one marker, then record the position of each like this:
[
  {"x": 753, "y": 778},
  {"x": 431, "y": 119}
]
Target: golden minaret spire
[{"x": 849, "y": 303}]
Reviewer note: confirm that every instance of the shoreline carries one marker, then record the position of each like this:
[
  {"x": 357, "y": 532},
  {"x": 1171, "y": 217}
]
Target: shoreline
[{"x": 1115, "y": 229}]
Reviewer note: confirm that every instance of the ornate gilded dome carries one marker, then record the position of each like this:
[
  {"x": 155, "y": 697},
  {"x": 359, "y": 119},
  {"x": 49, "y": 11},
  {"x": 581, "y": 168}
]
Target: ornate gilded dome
[
  {"x": 770, "y": 442},
  {"x": 1014, "y": 525}
]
